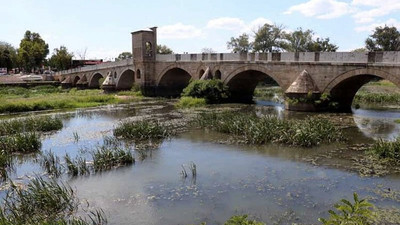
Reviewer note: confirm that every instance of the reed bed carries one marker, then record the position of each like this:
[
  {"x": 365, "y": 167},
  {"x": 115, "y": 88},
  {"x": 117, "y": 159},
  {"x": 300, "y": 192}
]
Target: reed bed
[
  {"x": 270, "y": 129},
  {"x": 106, "y": 158},
  {"x": 21, "y": 143},
  {"x": 40, "y": 124},
  {"x": 142, "y": 130}
]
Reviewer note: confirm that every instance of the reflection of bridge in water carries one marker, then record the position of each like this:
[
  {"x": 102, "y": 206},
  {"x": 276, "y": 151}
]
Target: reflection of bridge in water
[{"x": 304, "y": 76}]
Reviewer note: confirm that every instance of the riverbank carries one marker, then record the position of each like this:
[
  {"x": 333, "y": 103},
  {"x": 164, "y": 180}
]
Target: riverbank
[{"x": 18, "y": 99}]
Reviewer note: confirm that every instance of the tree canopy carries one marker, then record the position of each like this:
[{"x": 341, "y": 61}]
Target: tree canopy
[
  {"x": 384, "y": 39},
  {"x": 8, "y": 56},
  {"x": 61, "y": 59},
  {"x": 124, "y": 55},
  {"x": 268, "y": 38},
  {"x": 32, "y": 51},
  {"x": 163, "y": 49},
  {"x": 240, "y": 44},
  {"x": 299, "y": 40}
]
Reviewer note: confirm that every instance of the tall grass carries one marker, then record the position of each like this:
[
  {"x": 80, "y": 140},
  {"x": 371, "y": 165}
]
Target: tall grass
[
  {"x": 142, "y": 130},
  {"x": 76, "y": 166},
  {"x": 5, "y": 164},
  {"x": 44, "y": 202},
  {"x": 190, "y": 102},
  {"x": 41, "y": 124},
  {"x": 270, "y": 129},
  {"x": 21, "y": 143},
  {"x": 51, "y": 163},
  {"x": 376, "y": 98},
  {"x": 386, "y": 149},
  {"x": 106, "y": 158}
]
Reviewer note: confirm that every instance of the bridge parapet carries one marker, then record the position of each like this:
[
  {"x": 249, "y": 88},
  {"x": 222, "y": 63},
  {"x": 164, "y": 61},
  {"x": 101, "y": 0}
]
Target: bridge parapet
[
  {"x": 324, "y": 57},
  {"x": 106, "y": 65}
]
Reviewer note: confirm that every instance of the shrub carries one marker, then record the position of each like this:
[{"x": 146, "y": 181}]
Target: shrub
[
  {"x": 213, "y": 91},
  {"x": 190, "y": 102}
]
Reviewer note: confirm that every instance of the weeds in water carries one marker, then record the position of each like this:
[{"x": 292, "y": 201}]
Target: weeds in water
[
  {"x": 105, "y": 158},
  {"x": 193, "y": 168},
  {"x": 270, "y": 129},
  {"x": 242, "y": 220},
  {"x": 51, "y": 163},
  {"x": 21, "y": 143},
  {"x": 77, "y": 166},
  {"x": 190, "y": 102},
  {"x": 359, "y": 213},
  {"x": 386, "y": 149},
  {"x": 41, "y": 124},
  {"x": 183, "y": 172},
  {"x": 142, "y": 130},
  {"x": 76, "y": 137},
  {"x": 5, "y": 164},
  {"x": 44, "y": 202}
]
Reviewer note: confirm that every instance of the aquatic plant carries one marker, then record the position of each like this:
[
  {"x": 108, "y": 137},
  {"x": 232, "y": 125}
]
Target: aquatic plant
[
  {"x": 183, "y": 172},
  {"x": 193, "y": 168},
  {"x": 261, "y": 130},
  {"x": 40, "y": 124},
  {"x": 21, "y": 143},
  {"x": 51, "y": 163},
  {"x": 5, "y": 164},
  {"x": 213, "y": 91},
  {"x": 105, "y": 158},
  {"x": 76, "y": 136},
  {"x": 386, "y": 149},
  {"x": 269, "y": 93},
  {"x": 142, "y": 130},
  {"x": 44, "y": 202},
  {"x": 376, "y": 98},
  {"x": 76, "y": 166},
  {"x": 242, "y": 220},
  {"x": 190, "y": 102},
  {"x": 360, "y": 213}
]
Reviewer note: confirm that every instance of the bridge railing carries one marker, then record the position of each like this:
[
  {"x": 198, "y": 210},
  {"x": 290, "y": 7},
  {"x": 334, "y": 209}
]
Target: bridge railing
[
  {"x": 332, "y": 57},
  {"x": 106, "y": 65}
]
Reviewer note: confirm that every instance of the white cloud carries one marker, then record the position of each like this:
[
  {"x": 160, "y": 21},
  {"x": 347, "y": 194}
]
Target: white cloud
[
  {"x": 179, "y": 31},
  {"x": 373, "y": 9},
  {"x": 255, "y": 24},
  {"x": 371, "y": 27},
  {"x": 226, "y": 23},
  {"x": 321, "y": 9}
]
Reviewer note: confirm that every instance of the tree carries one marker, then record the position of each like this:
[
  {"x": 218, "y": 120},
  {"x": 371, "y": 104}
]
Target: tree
[
  {"x": 268, "y": 38},
  {"x": 61, "y": 59},
  {"x": 207, "y": 50},
  {"x": 359, "y": 50},
  {"x": 322, "y": 45},
  {"x": 240, "y": 44},
  {"x": 32, "y": 51},
  {"x": 8, "y": 56},
  {"x": 124, "y": 55},
  {"x": 384, "y": 39},
  {"x": 299, "y": 40},
  {"x": 163, "y": 49}
]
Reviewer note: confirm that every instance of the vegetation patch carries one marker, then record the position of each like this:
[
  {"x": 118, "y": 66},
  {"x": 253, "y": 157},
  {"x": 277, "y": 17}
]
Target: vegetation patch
[
  {"x": 269, "y": 93},
  {"x": 44, "y": 202},
  {"x": 213, "y": 91},
  {"x": 190, "y": 102},
  {"x": 21, "y": 143},
  {"x": 142, "y": 130},
  {"x": 386, "y": 149},
  {"x": 270, "y": 129},
  {"x": 105, "y": 158},
  {"x": 41, "y": 124}
]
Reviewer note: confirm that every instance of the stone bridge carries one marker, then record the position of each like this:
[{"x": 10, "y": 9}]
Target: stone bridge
[{"x": 304, "y": 76}]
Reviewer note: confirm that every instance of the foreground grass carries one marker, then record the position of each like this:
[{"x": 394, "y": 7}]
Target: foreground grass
[
  {"x": 44, "y": 202},
  {"x": 269, "y": 129},
  {"x": 23, "y": 100},
  {"x": 40, "y": 124},
  {"x": 190, "y": 102}
]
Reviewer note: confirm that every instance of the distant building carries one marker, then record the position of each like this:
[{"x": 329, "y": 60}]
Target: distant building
[{"x": 88, "y": 62}]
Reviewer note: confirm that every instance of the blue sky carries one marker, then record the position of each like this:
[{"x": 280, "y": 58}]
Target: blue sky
[{"x": 103, "y": 26}]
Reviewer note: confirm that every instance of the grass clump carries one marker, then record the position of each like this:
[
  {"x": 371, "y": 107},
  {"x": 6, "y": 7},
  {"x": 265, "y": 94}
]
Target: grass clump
[
  {"x": 359, "y": 213},
  {"x": 51, "y": 163},
  {"x": 106, "y": 158},
  {"x": 270, "y": 129},
  {"x": 190, "y": 102},
  {"x": 386, "y": 149},
  {"x": 41, "y": 124},
  {"x": 21, "y": 143},
  {"x": 44, "y": 202},
  {"x": 376, "y": 98},
  {"x": 76, "y": 166},
  {"x": 5, "y": 164},
  {"x": 213, "y": 91},
  {"x": 142, "y": 130}
]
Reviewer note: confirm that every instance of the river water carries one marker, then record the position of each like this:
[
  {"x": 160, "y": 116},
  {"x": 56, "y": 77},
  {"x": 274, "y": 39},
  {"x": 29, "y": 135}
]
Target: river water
[{"x": 274, "y": 183}]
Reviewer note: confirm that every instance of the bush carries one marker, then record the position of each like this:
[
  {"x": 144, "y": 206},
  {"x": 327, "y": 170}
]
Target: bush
[
  {"x": 190, "y": 102},
  {"x": 213, "y": 91}
]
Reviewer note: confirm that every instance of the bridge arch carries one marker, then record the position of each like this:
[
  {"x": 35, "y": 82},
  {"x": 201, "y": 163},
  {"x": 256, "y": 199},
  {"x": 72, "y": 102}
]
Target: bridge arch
[
  {"x": 126, "y": 80},
  {"x": 75, "y": 80},
  {"x": 94, "y": 81},
  {"x": 243, "y": 81},
  {"x": 172, "y": 81},
  {"x": 344, "y": 87}
]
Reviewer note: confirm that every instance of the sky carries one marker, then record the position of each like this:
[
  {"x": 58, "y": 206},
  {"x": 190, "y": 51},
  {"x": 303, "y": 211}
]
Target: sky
[{"x": 103, "y": 27}]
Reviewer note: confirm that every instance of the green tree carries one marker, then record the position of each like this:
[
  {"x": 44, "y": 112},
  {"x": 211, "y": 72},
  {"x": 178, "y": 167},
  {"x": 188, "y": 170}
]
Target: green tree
[
  {"x": 322, "y": 45},
  {"x": 124, "y": 55},
  {"x": 207, "y": 50},
  {"x": 240, "y": 44},
  {"x": 384, "y": 39},
  {"x": 163, "y": 49},
  {"x": 61, "y": 59},
  {"x": 8, "y": 56},
  {"x": 299, "y": 40},
  {"x": 32, "y": 51},
  {"x": 360, "y": 50},
  {"x": 268, "y": 38}
]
